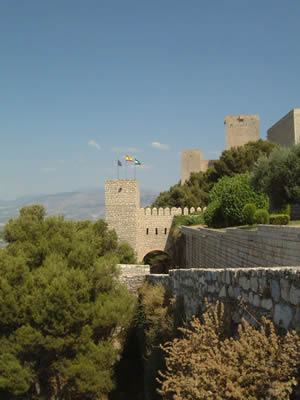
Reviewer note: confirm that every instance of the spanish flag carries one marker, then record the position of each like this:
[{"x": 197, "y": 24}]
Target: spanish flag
[{"x": 127, "y": 158}]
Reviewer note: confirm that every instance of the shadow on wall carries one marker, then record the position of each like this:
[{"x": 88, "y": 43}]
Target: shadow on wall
[{"x": 160, "y": 262}]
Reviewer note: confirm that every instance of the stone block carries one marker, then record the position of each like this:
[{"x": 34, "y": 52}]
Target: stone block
[
  {"x": 295, "y": 295},
  {"x": 285, "y": 289},
  {"x": 267, "y": 304},
  {"x": 244, "y": 282},
  {"x": 254, "y": 283},
  {"x": 222, "y": 292},
  {"x": 275, "y": 290},
  {"x": 256, "y": 300},
  {"x": 283, "y": 315}
]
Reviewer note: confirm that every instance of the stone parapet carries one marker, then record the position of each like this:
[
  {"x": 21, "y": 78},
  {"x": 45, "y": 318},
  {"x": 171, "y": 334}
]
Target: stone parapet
[
  {"x": 133, "y": 275},
  {"x": 272, "y": 292}
]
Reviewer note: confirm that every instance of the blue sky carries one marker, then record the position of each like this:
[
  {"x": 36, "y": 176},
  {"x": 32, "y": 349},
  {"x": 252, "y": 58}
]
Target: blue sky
[{"x": 82, "y": 83}]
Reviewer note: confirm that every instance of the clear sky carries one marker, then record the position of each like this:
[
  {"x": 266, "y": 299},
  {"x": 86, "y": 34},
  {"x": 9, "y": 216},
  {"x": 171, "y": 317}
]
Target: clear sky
[{"x": 84, "y": 82}]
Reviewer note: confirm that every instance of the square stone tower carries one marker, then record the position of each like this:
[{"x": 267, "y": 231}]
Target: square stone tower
[
  {"x": 286, "y": 131},
  {"x": 241, "y": 129},
  {"x": 191, "y": 161},
  {"x": 122, "y": 204}
]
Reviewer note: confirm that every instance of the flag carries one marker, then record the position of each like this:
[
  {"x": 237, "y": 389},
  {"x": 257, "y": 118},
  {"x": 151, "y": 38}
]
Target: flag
[
  {"x": 137, "y": 162},
  {"x": 127, "y": 158},
  {"x": 119, "y": 163}
]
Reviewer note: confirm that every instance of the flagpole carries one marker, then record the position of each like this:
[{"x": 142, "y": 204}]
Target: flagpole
[{"x": 118, "y": 168}]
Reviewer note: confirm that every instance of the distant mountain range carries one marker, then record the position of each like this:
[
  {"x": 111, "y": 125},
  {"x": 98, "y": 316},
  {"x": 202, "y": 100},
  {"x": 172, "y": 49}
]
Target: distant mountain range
[{"x": 85, "y": 204}]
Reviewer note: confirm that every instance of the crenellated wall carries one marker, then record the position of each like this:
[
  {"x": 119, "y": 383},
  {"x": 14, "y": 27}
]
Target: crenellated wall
[
  {"x": 271, "y": 292},
  {"x": 145, "y": 229}
]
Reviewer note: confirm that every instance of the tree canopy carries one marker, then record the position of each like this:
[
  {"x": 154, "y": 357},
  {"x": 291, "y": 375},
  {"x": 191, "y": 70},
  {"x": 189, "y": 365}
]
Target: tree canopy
[
  {"x": 195, "y": 191},
  {"x": 62, "y": 309},
  {"x": 278, "y": 175}
]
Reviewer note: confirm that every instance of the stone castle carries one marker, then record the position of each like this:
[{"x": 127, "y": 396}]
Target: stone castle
[
  {"x": 145, "y": 229},
  {"x": 241, "y": 129}
]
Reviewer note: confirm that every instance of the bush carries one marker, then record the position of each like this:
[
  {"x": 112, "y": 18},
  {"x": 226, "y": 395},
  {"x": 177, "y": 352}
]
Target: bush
[
  {"x": 187, "y": 220},
  {"x": 229, "y": 196},
  {"x": 262, "y": 216},
  {"x": 213, "y": 215},
  {"x": 279, "y": 219},
  {"x": 255, "y": 364},
  {"x": 248, "y": 213}
]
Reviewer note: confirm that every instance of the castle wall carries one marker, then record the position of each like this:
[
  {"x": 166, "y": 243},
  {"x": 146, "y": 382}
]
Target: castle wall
[
  {"x": 190, "y": 162},
  {"x": 297, "y": 124},
  {"x": 270, "y": 245},
  {"x": 133, "y": 275},
  {"x": 240, "y": 129},
  {"x": 122, "y": 202},
  {"x": 271, "y": 292},
  {"x": 154, "y": 229},
  {"x": 283, "y": 131}
]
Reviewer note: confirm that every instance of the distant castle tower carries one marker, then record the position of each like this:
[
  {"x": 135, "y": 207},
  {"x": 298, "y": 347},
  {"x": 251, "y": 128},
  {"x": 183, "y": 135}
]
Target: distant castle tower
[
  {"x": 122, "y": 203},
  {"x": 286, "y": 131},
  {"x": 241, "y": 129},
  {"x": 192, "y": 161},
  {"x": 144, "y": 229}
]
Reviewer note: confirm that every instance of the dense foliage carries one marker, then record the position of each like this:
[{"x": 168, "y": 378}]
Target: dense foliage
[
  {"x": 205, "y": 364},
  {"x": 278, "y": 175},
  {"x": 279, "y": 219},
  {"x": 228, "y": 198},
  {"x": 248, "y": 213},
  {"x": 262, "y": 216},
  {"x": 62, "y": 310},
  {"x": 195, "y": 192}
]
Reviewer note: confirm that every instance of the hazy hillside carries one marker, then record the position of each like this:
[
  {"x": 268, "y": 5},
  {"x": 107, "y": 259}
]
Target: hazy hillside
[{"x": 87, "y": 204}]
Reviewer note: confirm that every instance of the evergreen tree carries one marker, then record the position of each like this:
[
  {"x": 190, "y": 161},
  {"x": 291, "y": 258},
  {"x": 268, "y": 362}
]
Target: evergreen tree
[{"x": 62, "y": 310}]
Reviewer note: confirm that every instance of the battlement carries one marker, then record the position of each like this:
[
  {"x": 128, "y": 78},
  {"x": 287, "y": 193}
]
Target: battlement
[{"x": 168, "y": 211}]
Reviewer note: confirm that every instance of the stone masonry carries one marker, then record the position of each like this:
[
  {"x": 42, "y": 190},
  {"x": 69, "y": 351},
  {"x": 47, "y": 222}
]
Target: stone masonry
[
  {"x": 268, "y": 246},
  {"x": 271, "y": 292},
  {"x": 286, "y": 131},
  {"x": 192, "y": 161},
  {"x": 133, "y": 275},
  {"x": 144, "y": 229},
  {"x": 241, "y": 129}
]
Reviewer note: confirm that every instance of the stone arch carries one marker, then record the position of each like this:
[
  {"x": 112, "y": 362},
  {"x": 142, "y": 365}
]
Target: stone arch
[{"x": 160, "y": 261}]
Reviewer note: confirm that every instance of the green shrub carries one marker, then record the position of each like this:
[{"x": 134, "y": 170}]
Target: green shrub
[
  {"x": 262, "y": 216},
  {"x": 279, "y": 219},
  {"x": 187, "y": 220},
  {"x": 229, "y": 196},
  {"x": 248, "y": 213},
  {"x": 213, "y": 215}
]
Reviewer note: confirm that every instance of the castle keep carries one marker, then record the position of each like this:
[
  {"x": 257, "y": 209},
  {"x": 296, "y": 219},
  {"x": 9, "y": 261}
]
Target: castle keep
[
  {"x": 145, "y": 229},
  {"x": 240, "y": 129},
  {"x": 286, "y": 131}
]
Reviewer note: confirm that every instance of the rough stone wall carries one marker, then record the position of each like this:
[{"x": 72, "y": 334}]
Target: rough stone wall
[
  {"x": 271, "y": 292},
  {"x": 133, "y": 275},
  {"x": 269, "y": 245},
  {"x": 154, "y": 229},
  {"x": 192, "y": 161},
  {"x": 122, "y": 202},
  {"x": 283, "y": 131},
  {"x": 240, "y": 129}
]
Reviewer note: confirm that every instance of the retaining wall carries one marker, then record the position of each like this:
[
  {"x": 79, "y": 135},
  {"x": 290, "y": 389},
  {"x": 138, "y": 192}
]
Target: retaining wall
[
  {"x": 268, "y": 246},
  {"x": 271, "y": 292},
  {"x": 133, "y": 275}
]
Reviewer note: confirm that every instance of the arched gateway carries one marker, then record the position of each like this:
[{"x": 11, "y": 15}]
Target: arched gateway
[{"x": 145, "y": 229}]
